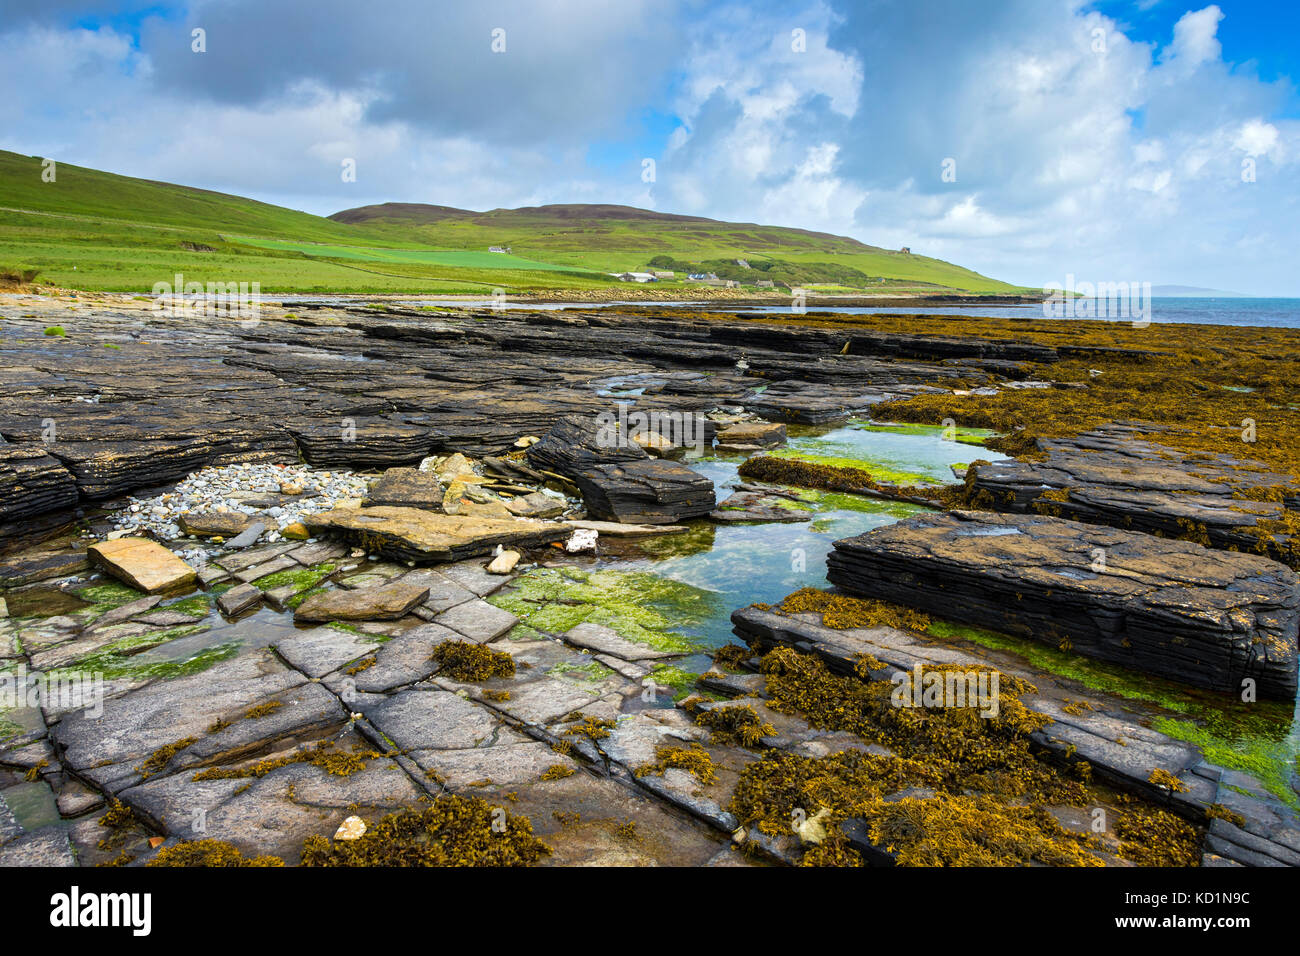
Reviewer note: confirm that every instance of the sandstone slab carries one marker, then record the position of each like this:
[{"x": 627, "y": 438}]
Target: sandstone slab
[
  {"x": 143, "y": 564},
  {"x": 384, "y": 603},
  {"x": 411, "y": 534}
]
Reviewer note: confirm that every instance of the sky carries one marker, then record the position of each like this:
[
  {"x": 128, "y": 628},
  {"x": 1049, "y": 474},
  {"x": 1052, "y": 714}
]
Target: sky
[{"x": 1032, "y": 140}]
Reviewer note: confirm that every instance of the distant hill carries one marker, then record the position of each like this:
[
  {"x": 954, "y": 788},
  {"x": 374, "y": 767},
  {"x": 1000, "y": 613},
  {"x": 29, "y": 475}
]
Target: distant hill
[
  {"x": 1194, "y": 292},
  {"x": 612, "y": 238},
  {"x": 101, "y": 231}
]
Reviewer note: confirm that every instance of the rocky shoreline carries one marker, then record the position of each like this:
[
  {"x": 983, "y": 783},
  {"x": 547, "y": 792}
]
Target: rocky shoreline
[{"x": 344, "y": 559}]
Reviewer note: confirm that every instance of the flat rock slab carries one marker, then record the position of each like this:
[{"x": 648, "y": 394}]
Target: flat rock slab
[
  {"x": 106, "y": 748},
  {"x": 605, "y": 640},
  {"x": 239, "y": 598},
  {"x": 143, "y": 564},
  {"x": 1112, "y": 476},
  {"x": 536, "y": 505},
  {"x": 405, "y": 488},
  {"x": 419, "y": 719},
  {"x": 47, "y": 846},
  {"x": 615, "y": 529},
  {"x": 320, "y": 650},
  {"x": 477, "y": 620},
  {"x": 1167, "y": 607},
  {"x": 399, "y": 662},
  {"x": 273, "y": 814},
  {"x": 387, "y": 602},
  {"x": 411, "y": 534},
  {"x": 759, "y": 505},
  {"x": 215, "y": 524},
  {"x": 762, "y": 434}
]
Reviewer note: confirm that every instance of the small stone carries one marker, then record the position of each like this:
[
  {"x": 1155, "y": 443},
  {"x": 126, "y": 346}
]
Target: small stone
[
  {"x": 143, "y": 564},
  {"x": 581, "y": 540},
  {"x": 297, "y": 531},
  {"x": 353, "y": 828},
  {"x": 290, "y": 488},
  {"x": 504, "y": 562}
]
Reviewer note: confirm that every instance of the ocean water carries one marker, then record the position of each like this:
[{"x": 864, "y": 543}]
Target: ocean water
[{"x": 1276, "y": 313}]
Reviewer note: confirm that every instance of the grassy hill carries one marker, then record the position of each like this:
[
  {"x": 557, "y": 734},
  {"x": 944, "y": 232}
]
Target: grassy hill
[{"x": 95, "y": 230}]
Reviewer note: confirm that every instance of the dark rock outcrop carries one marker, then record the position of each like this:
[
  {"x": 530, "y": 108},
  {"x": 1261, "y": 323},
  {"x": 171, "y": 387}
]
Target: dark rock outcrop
[
  {"x": 618, "y": 480},
  {"x": 1109, "y": 476},
  {"x": 1167, "y": 607}
]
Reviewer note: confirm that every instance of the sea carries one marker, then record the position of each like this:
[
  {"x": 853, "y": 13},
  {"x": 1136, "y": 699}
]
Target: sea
[
  {"x": 1228, "y": 310},
  {"x": 1268, "y": 313}
]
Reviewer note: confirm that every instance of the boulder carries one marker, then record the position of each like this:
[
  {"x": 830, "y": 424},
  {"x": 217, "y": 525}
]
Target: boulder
[
  {"x": 215, "y": 524},
  {"x": 405, "y": 488},
  {"x": 412, "y": 534},
  {"x": 617, "y": 479},
  {"x": 536, "y": 505},
  {"x": 760, "y": 434},
  {"x": 1163, "y": 606},
  {"x": 143, "y": 564}
]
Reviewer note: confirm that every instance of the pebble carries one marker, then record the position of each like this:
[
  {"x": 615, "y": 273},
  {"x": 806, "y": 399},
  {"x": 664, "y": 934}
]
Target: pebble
[
  {"x": 353, "y": 828},
  {"x": 220, "y": 489}
]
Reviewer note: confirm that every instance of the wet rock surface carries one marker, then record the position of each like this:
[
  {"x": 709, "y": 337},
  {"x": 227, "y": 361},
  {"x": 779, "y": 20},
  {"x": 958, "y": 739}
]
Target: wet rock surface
[
  {"x": 1153, "y": 604},
  {"x": 350, "y": 387},
  {"x": 1114, "y": 477},
  {"x": 619, "y": 481},
  {"x": 218, "y": 716}
]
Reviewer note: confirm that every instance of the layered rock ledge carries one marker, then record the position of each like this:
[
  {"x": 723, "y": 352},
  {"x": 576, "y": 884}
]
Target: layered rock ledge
[{"x": 1167, "y": 607}]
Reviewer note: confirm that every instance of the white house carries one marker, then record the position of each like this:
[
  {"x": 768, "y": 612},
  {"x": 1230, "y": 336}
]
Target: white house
[{"x": 498, "y": 248}]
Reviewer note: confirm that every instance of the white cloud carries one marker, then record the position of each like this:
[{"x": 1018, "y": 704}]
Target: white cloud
[{"x": 1069, "y": 159}]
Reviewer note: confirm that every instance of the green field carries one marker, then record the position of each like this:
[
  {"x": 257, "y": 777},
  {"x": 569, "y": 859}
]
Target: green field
[{"x": 100, "y": 231}]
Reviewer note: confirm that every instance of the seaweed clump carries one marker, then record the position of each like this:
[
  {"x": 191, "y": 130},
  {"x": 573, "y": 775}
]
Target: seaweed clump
[
  {"x": 841, "y": 612},
  {"x": 992, "y": 752},
  {"x": 733, "y": 656},
  {"x": 463, "y": 661},
  {"x": 324, "y": 755},
  {"x": 209, "y": 853},
  {"x": 159, "y": 759},
  {"x": 694, "y": 759},
  {"x": 735, "y": 724},
  {"x": 448, "y": 831},
  {"x": 959, "y": 830},
  {"x": 1150, "y": 836}
]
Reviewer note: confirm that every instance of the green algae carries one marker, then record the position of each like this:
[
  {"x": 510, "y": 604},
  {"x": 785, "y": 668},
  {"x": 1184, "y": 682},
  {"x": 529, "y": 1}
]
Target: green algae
[
  {"x": 641, "y": 607},
  {"x": 198, "y": 606},
  {"x": 107, "y": 596},
  {"x": 591, "y": 673},
  {"x": 963, "y": 435},
  {"x": 301, "y": 579},
  {"x": 877, "y": 470},
  {"x": 1260, "y": 738},
  {"x": 112, "y": 666},
  {"x": 829, "y": 501},
  {"x": 678, "y": 679}
]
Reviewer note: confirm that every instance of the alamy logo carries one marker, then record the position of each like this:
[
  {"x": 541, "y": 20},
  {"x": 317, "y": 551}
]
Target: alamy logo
[
  {"x": 1102, "y": 300},
  {"x": 233, "y": 300},
  {"x": 73, "y": 690},
  {"x": 977, "y": 689},
  {"x": 684, "y": 429},
  {"x": 73, "y": 909}
]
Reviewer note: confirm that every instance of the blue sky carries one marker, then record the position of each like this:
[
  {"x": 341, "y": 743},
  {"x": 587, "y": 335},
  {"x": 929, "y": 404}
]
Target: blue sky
[{"x": 1112, "y": 140}]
